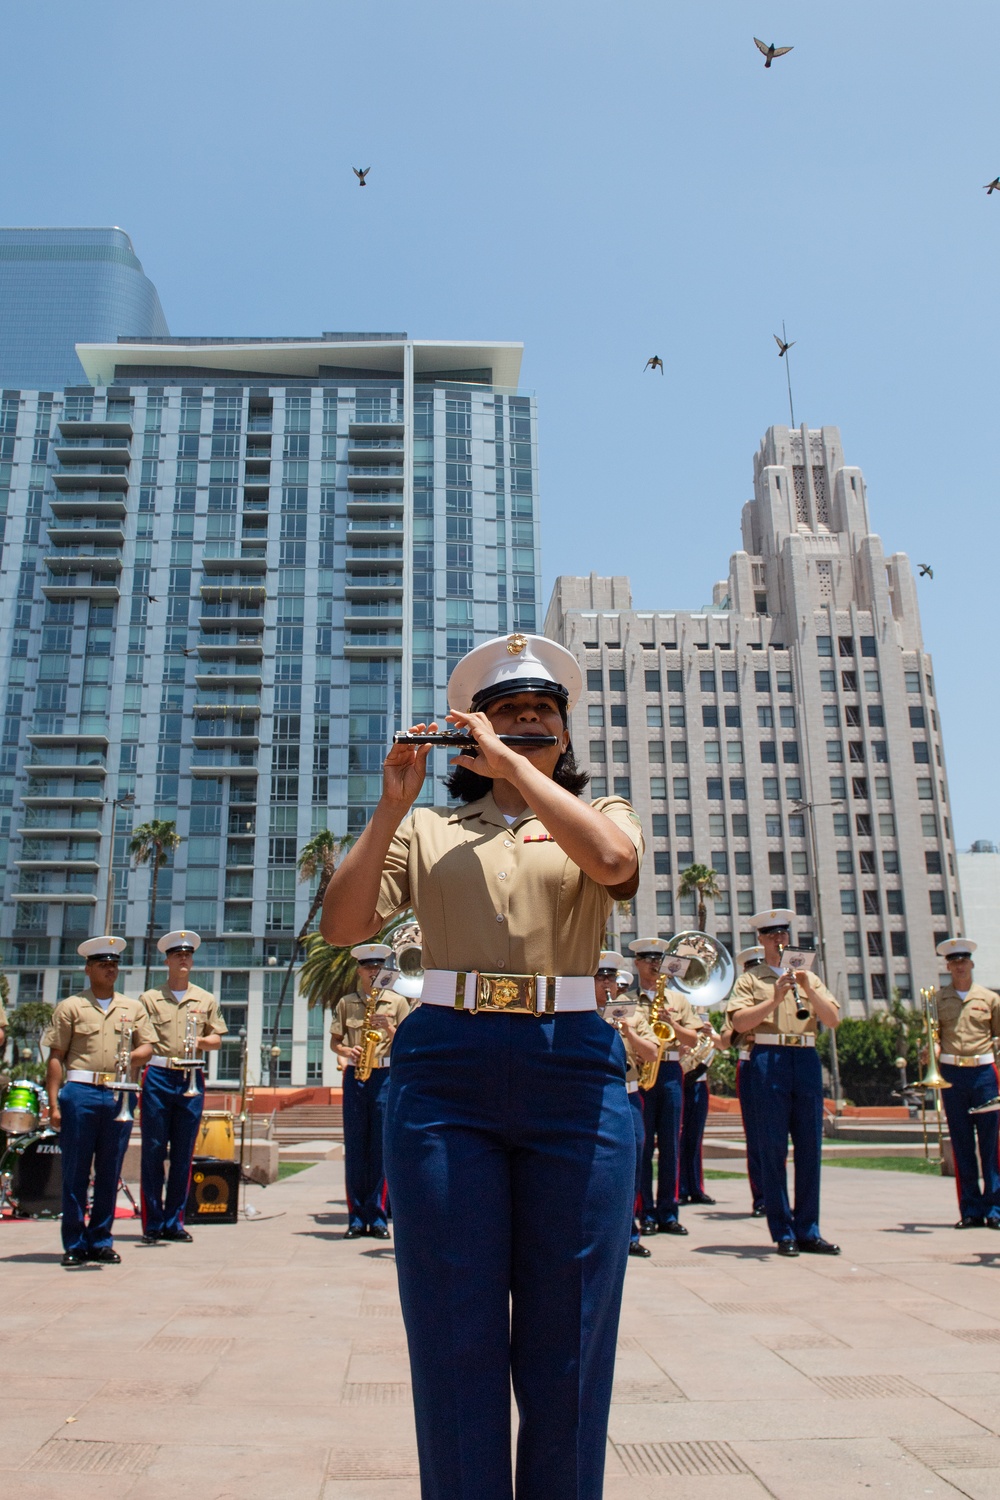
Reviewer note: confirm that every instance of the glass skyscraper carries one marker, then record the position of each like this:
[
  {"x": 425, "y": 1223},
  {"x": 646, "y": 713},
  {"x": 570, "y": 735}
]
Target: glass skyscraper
[
  {"x": 230, "y": 569},
  {"x": 61, "y": 287}
]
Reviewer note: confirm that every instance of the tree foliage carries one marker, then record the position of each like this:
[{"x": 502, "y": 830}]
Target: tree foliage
[
  {"x": 701, "y": 882},
  {"x": 152, "y": 844},
  {"x": 867, "y": 1049},
  {"x": 330, "y": 972}
]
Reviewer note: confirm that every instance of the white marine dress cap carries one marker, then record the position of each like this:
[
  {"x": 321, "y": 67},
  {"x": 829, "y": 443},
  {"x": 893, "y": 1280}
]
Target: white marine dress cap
[
  {"x": 642, "y": 946},
  {"x": 170, "y": 942},
  {"x": 371, "y": 952},
  {"x": 752, "y": 955},
  {"x": 102, "y": 947},
  {"x": 514, "y": 663},
  {"x": 956, "y": 947},
  {"x": 609, "y": 959},
  {"x": 773, "y": 920}
]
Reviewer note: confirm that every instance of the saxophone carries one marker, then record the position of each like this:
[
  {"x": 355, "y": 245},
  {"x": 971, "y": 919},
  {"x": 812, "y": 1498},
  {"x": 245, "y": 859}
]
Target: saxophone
[
  {"x": 371, "y": 1036},
  {"x": 665, "y": 1033}
]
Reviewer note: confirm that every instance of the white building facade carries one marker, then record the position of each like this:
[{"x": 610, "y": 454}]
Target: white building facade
[{"x": 788, "y": 735}]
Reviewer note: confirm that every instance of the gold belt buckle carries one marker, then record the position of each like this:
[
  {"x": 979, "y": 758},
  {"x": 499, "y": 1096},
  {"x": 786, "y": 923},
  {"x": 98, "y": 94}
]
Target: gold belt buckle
[
  {"x": 513, "y": 994},
  {"x": 105, "y": 1080}
]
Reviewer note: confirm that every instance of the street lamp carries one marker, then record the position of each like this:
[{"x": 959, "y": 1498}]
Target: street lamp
[
  {"x": 800, "y": 806},
  {"x": 109, "y": 910}
]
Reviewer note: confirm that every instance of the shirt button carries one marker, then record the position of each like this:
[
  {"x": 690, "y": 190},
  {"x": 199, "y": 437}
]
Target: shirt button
[
  {"x": 501, "y": 964},
  {"x": 499, "y": 916},
  {"x": 502, "y": 875},
  {"x": 507, "y": 844}
]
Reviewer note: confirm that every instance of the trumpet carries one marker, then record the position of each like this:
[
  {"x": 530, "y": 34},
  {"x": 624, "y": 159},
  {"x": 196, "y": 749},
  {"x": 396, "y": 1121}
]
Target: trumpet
[
  {"x": 123, "y": 1066},
  {"x": 190, "y": 1061},
  {"x": 664, "y": 1032},
  {"x": 802, "y": 1011},
  {"x": 371, "y": 1036}
]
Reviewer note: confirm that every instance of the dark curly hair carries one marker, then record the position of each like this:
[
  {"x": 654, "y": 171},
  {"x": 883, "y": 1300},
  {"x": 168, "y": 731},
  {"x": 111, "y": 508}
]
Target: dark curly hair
[{"x": 466, "y": 786}]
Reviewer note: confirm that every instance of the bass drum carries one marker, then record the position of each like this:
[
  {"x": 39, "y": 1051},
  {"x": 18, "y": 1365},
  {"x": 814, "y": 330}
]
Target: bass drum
[
  {"x": 21, "y": 1109},
  {"x": 31, "y": 1176}
]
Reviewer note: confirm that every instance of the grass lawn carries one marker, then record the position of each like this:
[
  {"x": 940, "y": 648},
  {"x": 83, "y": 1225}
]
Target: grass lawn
[
  {"x": 710, "y": 1172},
  {"x": 289, "y": 1168},
  {"x": 890, "y": 1164}
]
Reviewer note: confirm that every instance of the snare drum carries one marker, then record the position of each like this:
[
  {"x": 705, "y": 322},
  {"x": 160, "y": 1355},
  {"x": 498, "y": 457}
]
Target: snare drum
[
  {"x": 22, "y": 1107},
  {"x": 215, "y": 1135},
  {"x": 31, "y": 1175}
]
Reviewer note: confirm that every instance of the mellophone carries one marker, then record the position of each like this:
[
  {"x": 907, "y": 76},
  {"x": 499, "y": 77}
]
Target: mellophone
[{"x": 467, "y": 743}]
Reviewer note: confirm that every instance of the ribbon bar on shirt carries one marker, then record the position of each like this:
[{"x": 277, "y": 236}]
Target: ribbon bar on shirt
[{"x": 513, "y": 994}]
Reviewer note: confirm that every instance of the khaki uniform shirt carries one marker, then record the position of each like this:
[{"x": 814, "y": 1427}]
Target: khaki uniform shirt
[
  {"x": 88, "y": 1036},
  {"x": 168, "y": 1017},
  {"x": 637, "y": 1019},
  {"x": 349, "y": 1018},
  {"x": 757, "y": 984},
  {"x": 494, "y": 897},
  {"x": 676, "y": 1006},
  {"x": 968, "y": 1026},
  {"x": 3, "y": 1017}
]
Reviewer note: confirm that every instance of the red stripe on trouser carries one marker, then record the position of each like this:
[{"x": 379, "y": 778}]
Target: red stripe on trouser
[{"x": 142, "y": 1195}]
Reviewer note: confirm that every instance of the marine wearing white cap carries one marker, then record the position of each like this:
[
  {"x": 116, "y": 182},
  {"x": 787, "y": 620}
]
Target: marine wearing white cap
[
  {"x": 365, "y": 1099},
  {"x": 969, "y": 1022},
  {"x": 102, "y": 947},
  {"x": 748, "y": 956},
  {"x": 786, "y": 1080},
  {"x": 512, "y": 887},
  {"x": 179, "y": 942}
]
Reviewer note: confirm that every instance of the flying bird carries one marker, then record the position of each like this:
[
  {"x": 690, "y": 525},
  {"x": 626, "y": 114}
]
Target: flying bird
[
  {"x": 783, "y": 347},
  {"x": 771, "y": 51},
  {"x": 991, "y": 186},
  {"x": 926, "y": 571},
  {"x": 361, "y": 174},
  {"x": 655, "y": 363},
  {"x": 152, "y": 599}
]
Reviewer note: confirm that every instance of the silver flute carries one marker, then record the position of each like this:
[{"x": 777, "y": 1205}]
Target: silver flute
[{"x": 466, "y": 742}]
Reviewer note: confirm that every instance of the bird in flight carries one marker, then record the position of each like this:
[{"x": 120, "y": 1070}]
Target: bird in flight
[
  {"x": 361, "y": 173},
  {"x": 926, "y": 571},
  {"x": 654, "y": 362},
  {"x": 770, "y": 52},
  {"x": 783, "y": 347},
  {"x": 152, "y": 599},
  {"x": 991, "y": 186}
]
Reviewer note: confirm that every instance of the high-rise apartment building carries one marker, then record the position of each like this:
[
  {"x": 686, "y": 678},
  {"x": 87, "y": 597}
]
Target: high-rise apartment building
[
  {"x": 230, "y": 569},
  {"x": 787, "y": 735},
  {"x": 62, "y": 287}
]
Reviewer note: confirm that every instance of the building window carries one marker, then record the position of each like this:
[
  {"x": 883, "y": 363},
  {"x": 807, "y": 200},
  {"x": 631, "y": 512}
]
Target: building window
[
  {"x": 682, "y": 789},
  {"x": 912, "y": 681},
  {"x": 765, "y": 717},
  {"x": 619, "y": 716},
  {"x": 849, "y": 903},
  {"x": 734, "y": 752},
  {"x": 824, "y": 645},
  {"x": 876, "y": 717},
  {"x": 827, "y": 680},
  {"x": 872, "y": 907},
  {"x": 834, "y": 750},
  {"x": 779, "y": 897},
  {"x": 664, "y": 904},
  {"x": 623, "y": 787},
  {"x": 900, "y": 947},
  {"x": 768, "y": 752},
  {"x": 841, "y": 825},
  {"x": 679, "y": 752},
  {"x": 883, "y": 788},
  {"x": 710, "y": 716},
  {"x": 661, "y": 826},
  {"x": 657, "y": 751},
  {"x": 776, "y": 862},
  {"x": 677, "y": 717},
  {"x": 598, "y": 786},
  {"x": 866, "y": 862},
  {"x": 619, "y": 750},
  {"x": 855, "y": 986},
  {"x": 868, "y": 645},
  {"x": 894, "y": 903},
  {"x": 675, "y": 681},
  {"x": 682, "y": 828},
  {"x": 595, "y": 716},
  {"x": 852, "y": 944},
  {"x": 732, "y": 716},
  {"x": 741, "y": 863},
  {"x": 616, "y": 679},
  {"x": 846, "y": 645},
  {"x": 880, "y": 987},
  {"x": 925, "y": 789},
  {"x": 652, "y": 682},
  {"x": 784, "y": 681},
  {"x": 730, "y": 682},
  {"x": 859, "y": 788},
  {"x": 595, "y": 680},
  {"x": 661, "y": 862},
  {"x": 707, "y": 682},
  {"x": 903, "y": 985},
  {"x": 658, "y": 788},
  {"x": 744, "y": 903},
  {"x": 738, "y": 791},
  {"x": 849, "y": 682},
  {"x": 654, "y": 716},
  {"x": 917, "y": 718},
  {"x": 713, "y": 752},
  {"x": 770, "y": 788},
  {"x": 762, "y": 682},
  {"x": 793, "y": 788},
  {"x": 720, "y": 862},
  {"x": 921, "y": 752},
  {"x": 876, "y": 945},
  {"x": 890, "y": 861},
  {"x": 741, "y": 823},
  {"x": 598, "y": 750},
  {"x": 772, "y": 825},
  {"x": 845, "y": 865},
  {"x": 932, "y": 861},
  {"x": 838, "y": 788}
]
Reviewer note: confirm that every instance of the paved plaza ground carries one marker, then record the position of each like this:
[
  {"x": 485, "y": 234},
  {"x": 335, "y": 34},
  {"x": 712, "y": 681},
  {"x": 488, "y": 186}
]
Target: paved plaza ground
[{"x": 268, "y": 1360}]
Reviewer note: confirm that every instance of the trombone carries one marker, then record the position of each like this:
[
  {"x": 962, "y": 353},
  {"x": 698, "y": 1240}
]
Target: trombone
[{"x": 933, "y": 1078}]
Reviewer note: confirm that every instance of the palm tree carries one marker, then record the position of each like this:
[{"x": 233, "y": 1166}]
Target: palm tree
[
  {"x": 152, "y": 844},
  {"x": 702, "y": 882},
  {"x": 319, "y": 857},
  {"x": 330, "y": 972}
]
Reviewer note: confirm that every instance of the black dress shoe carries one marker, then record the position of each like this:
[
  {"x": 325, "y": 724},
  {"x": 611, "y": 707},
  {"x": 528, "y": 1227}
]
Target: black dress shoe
[
  {"x": 787, "y": 1247},
  {"x": 648, "y": 1226},
  {"x": 759, "y": 1213},
  {"x": 971, "y": 1222},
  {"x": 105, "y": 1257},
  {"x": 818, "y": 1246},
  {"x": 355, "y": 1232},
  {"x": 71, "y": 1258},
  {"x": 672, "y": 1226},
  {"x": 379, "y": 1231},
  {"x": 700, "y": 1198},
  {"x": 639, "y": 1250},
  {"x": 150, "y": 1239},
  {"x": 179, "y": 1237},
  {"x": 993, "y": 1223}
]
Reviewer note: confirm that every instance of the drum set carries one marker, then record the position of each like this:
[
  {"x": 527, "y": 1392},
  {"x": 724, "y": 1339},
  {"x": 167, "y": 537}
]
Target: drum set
[{"x": 30, "y": 1154}]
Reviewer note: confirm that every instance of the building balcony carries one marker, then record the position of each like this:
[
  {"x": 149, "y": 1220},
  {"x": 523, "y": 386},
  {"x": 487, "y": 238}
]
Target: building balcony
[
  {"x": 362, "y": 504},
  {"x": 373, "y": 643},
  {"x": 237, "y": 712},
  {"x": 386, "y": 554},
  {"x": 376, "y": 429},
  {"x": 250, "y": 650},
  {"x": 243, "y": 591},
  {"x": 88, "y": 866},
  {"x": 231, "y": 736},
  {"x": 97, "y": 429},
  {"x": 74, "y": 560},
  {"x": 107, "y": 478},
  {"x": 258, "y": 468},
  {"x": 62, "y": 799},
  {"x": 62, "y": 828},
  {"x": 378, "y": 477},
  {"x": 110, "y": 533},
  {"x": 110, "y": 506},
  {"x": 230, "y": 674},
  {"x": 226, "y": 622},
  {"x": 367, "y": 451},
  {"x": 238, "y": 568},
  {"x": 233, "y": 769},
  {"x": 363, "y": 619},
  {"x": 103, "y": 453},
  {"x": 375, "y": 529},
  {"x": 60, "y": 741},
  {"x": 378, "y": 588},
  {"x": 96, "y": 771},
  {"x": 61, "y": 898},
  {"x": 101, "y": 593}
]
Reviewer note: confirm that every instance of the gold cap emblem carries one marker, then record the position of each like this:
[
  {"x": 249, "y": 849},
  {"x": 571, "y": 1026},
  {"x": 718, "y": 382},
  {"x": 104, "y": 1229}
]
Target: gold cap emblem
[{"x": 516, "y": 644}]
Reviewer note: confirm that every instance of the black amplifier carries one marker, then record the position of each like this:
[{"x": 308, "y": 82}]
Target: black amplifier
[{"x": 214, "y": 1194}]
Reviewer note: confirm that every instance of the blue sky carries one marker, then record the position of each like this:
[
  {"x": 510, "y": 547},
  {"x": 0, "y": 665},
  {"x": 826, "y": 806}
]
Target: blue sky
[{"x": 604, "y": 182}]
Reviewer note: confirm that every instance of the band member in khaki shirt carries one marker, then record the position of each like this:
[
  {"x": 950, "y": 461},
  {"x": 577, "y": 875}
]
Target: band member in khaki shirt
[
  {"x": 969, "y": 1020},
  {"x": 170, "y": 1116},
  {"x": 632, "y": 1025},
  {"x": 787, "y": 1081},
  {"x": 365, "y": 1099},
  {"x": 84, "y": 1038}
]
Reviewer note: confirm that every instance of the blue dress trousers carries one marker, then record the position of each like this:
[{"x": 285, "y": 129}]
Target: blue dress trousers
[
  {"x": 664, "y": 1107},
  {"x": 90, "y": 1135},
  {"x": 744, "y": 1093},
  {"x": 787, "y": 1085},
  {"x": 364, "y": 1124},
  {"x": 971, "y": 1086},
  {"x": 693, "y": 1118},
  {"x": 169, "y": 1120}
]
